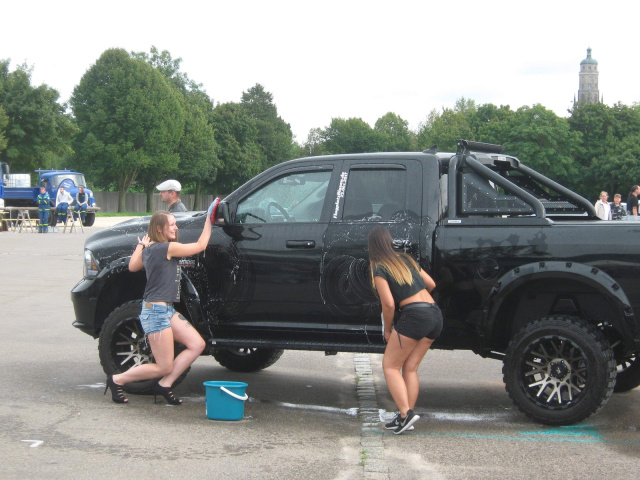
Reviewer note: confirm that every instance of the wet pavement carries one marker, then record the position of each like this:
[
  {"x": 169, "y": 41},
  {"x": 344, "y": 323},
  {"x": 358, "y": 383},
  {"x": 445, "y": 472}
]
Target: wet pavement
[{"x": 308, "y": 416}]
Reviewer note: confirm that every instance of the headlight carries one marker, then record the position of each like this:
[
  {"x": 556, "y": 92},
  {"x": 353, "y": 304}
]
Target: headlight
[{"x": 91, "y": 266}]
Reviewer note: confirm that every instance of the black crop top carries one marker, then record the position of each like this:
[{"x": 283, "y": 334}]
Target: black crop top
[{"x": 401, "y": 292}]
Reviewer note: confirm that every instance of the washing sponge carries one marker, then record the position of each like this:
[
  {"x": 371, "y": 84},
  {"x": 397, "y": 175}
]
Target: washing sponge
[{"x": 211, "y": 213}]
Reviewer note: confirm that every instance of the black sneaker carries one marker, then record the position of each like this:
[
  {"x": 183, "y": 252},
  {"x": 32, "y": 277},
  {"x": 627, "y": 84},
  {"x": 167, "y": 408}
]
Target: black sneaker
[
  {"x": 405, "y": 423},
  {"x": 393, "y": 424}
]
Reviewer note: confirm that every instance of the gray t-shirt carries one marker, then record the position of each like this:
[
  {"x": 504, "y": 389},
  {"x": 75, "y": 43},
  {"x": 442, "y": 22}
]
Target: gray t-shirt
[
  {"x": 163, "y": 276},
  {"x": 178, "y": 207}
]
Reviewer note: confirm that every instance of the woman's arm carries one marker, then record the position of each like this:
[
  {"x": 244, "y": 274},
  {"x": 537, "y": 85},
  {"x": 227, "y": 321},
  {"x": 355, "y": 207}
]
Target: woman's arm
[
  {"x": 135, "y": 263},
  {"x": 428, "y": 281},
  {"x": 388, "y": 304},
  {"x": 187, "y": 249}
]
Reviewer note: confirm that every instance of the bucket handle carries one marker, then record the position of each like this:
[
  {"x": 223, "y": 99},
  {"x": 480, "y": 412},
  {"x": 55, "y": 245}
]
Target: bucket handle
[{"x": 234, "y": 395}]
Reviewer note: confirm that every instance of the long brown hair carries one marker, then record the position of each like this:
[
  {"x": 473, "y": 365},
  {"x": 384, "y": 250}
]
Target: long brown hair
[
  {"x": 157, "y": 223},
  {"x": 381, "y": 254}
]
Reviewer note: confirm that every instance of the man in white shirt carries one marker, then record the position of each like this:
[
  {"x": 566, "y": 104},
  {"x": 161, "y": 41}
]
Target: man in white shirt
[
  {"x": 603, "y": 208},
  {"x": 63, "y": 199}
]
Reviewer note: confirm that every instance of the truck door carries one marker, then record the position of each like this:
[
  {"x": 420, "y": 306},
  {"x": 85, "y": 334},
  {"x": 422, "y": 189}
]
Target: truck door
[
  {"x": 386, "y": 193},
  {"x": 268, "y": 270}
]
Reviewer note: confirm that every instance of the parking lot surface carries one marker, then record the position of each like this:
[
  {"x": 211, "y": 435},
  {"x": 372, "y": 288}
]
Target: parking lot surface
[{"x": 308, "y": 416}]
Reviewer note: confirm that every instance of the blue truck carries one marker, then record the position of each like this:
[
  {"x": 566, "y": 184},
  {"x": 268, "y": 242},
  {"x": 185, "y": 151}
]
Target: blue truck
[{"x": 16, "y": 189}]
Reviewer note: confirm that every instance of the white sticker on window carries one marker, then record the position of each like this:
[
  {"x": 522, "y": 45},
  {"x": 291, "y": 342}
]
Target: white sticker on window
[{"x": 340, "y": 192}]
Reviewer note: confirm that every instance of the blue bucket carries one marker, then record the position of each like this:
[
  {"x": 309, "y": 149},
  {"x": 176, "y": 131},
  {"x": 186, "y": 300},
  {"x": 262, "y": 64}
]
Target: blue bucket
[{"x": 225, "y": 400}]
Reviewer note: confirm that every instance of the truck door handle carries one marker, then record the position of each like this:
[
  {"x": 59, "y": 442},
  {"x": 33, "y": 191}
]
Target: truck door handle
[{"x": 300, "y": 244}]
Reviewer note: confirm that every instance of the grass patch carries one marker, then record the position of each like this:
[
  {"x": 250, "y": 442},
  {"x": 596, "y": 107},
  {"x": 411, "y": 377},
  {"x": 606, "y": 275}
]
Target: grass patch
[{"x": 364, "y": 456}]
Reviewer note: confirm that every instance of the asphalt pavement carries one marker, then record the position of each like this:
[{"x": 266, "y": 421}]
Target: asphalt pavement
[{"x": 308, "y": 416}]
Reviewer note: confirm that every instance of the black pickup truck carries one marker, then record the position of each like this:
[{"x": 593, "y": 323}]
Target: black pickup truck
[{"x": 526, "y": 273}]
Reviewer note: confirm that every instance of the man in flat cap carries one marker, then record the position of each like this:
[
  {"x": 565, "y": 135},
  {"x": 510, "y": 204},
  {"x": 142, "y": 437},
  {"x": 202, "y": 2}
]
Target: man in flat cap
[{"x": 170, "y": 194}]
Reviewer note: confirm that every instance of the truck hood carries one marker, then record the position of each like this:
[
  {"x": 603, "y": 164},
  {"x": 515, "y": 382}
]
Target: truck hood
[{"x": 119, "y": 240}]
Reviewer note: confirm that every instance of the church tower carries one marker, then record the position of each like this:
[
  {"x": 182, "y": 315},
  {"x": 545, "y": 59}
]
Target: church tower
[{"x": 588, "y": 91}]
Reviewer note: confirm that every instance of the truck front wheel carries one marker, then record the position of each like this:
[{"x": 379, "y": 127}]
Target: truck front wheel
[
  {"x": 122, "y": 346},
  {"x": 559, "y": 370}
]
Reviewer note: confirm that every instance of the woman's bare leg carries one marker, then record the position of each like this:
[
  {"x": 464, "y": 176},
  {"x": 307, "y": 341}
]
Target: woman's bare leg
[
  {"x": 162, "y": 347},
  {"x": 184, "y": 333},
  {"x": 410, "y": 370},
  {"x": 392, "y": 361}
]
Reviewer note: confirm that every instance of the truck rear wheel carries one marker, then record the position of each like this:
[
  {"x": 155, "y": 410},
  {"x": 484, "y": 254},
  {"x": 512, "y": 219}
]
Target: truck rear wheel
[
  {"x": 122, "y": 346},
  {"x": 246, "y": 359},
  {"x": 559, "y": 370}
]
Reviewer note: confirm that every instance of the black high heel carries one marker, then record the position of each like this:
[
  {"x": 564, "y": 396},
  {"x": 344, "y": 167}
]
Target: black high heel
[
  {"x": 117, "y": 391},
  {"x": 166, "y": 393}
]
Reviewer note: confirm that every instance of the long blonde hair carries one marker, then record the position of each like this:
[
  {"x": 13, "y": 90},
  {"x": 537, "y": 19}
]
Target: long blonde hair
[
  {"x": 156, "y": 227},
  {"x": 381, "y": 254}
]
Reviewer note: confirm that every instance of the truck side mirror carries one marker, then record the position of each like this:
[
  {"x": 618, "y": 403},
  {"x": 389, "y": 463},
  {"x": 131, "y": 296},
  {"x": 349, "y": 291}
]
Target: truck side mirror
[{"x": 223, "y": 213}]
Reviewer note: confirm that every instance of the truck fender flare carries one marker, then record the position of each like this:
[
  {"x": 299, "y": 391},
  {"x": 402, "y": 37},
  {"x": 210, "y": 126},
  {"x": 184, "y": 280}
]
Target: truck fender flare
[
  {"x": 589, "y": 275},
  {"x": 191, "y": 300}
]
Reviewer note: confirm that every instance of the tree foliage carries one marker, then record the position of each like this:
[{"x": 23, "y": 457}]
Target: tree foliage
[
  {"x": 130, "y": 119},
  {"x": 274, "y": 134},
  {"x": 198, "y": 164},
  {"x": 34, "y": 128},
  {"x": 394, "y": 134},
  {"x": 239, "y": 150},
  {"x": 352, "y": 135}
]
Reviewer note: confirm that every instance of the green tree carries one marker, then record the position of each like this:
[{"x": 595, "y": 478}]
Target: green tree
[
  {"x": 314, "y": 145},
  {"x": 446, "y": 129},
  {"x": 491, "y": 124},
  {"x": 197, "y": 149},
  {"x": 353, "y": 135},
  {"x": 4, "y": 121},
  {"x": 239, "y": 151},
  {"x": 37, "y": 128},
  {"x": 130, "y": 118},
  {"x": 545, "y": 142},
  {"x": 199, "y": 161},
  {"x": 394, "y": 134},
  {"x": 274, "y": 134}
]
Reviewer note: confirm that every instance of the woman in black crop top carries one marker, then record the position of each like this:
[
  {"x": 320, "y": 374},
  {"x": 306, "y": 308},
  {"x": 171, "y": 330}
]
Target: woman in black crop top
[
  {"x": 400, "y": 282},
  {"x": 158, "y": 253}
]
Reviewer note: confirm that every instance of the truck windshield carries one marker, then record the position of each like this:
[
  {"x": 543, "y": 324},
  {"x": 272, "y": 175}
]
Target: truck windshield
[{"x": 76, "y": 179}]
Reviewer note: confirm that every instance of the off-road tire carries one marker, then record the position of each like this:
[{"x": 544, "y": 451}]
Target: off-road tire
[
  {"x": 246, "y": 359},
  {"x": 559, "y": 370},
  {"x": 122, "y": 345},
  {"x": 628, "y": 374}
]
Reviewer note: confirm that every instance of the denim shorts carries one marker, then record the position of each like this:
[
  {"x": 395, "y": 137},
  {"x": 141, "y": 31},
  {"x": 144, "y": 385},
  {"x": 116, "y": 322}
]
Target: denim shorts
[
  {"x": 156, "y": 317},
  {"x": 419, "y": 320}
]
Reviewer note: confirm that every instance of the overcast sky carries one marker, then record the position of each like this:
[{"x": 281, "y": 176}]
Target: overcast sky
[{"x": 325, "y": 59}]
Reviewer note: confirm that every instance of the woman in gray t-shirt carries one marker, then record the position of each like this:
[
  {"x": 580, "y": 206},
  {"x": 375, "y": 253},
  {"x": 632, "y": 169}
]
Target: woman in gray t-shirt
[{"x": 158, "y": 253}]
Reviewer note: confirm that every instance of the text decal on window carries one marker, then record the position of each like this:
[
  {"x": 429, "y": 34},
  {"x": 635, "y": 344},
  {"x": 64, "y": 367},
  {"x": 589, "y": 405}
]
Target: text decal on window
[{"x": 340, "y": 192}]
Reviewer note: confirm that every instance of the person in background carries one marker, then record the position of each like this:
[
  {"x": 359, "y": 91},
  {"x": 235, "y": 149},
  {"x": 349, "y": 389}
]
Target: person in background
[
  {"x": 400, "y": 282},
  {"x": 158, "y": 253},
  {"x": 82, "y": 200},
  {"x": 603, "y": 207},
  {"x": 63, "y": 199},
  {"x": 170, "y": 194},
  {"x": 632, "y": 201},
  {"x": 44, "y": 209},
  {"x": 617, "y": 209}
]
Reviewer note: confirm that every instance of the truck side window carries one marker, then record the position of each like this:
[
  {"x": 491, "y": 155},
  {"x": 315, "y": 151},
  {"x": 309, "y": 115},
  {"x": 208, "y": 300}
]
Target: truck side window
[
  {"x": 375, "y": 195},
  {"x": 479, "y": 196},
  {"x": 296, "y": 197}
]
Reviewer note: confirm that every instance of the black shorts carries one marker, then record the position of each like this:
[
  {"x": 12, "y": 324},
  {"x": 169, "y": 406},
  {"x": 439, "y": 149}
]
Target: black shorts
[{"x": 419, "y": 320}]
